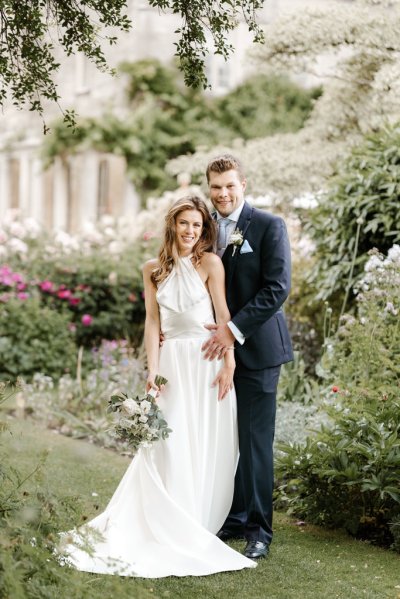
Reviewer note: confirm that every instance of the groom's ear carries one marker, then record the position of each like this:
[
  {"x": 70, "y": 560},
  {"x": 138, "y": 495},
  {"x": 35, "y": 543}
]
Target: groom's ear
[{"x": 244, "y": 183}]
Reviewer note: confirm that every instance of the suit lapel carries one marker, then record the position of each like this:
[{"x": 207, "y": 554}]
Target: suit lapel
[{"x": 228, "y": 260}]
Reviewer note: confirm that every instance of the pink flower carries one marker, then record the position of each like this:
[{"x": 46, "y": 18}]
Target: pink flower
[
  {"x": 6, "y": 280},
  {"x": 71, "y": 327},
  {"x": 87, "y": 320},
  {"x": 335, "y": 389},
  {"x": 5, "y": 270},
  {"x": 17, "y": 277},
  {"x": 22, "y": 295},
  {"x": 64, "y": 294},
  {"x": 74, "y": 301},
  {"x": 46, "y": 286},
  {"x": 148, "y": 235},
  {"x": 21, "y": 286},
  {"x": 132, "y": 297}
]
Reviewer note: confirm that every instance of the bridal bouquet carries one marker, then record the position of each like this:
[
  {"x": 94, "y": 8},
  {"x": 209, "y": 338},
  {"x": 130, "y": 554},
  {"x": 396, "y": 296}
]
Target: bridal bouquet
[{"x": 139, "y": 420}]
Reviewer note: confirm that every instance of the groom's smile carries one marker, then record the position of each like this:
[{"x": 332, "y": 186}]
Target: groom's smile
[{"x": 226, "y": 191}]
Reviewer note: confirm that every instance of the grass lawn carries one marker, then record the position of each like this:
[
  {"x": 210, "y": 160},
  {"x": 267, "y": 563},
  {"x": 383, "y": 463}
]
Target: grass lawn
[{"x": 306, "y": 562}]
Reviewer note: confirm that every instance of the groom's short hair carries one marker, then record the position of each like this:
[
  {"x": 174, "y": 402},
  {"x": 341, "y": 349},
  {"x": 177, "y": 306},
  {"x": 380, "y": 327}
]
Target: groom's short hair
[{"x": 223, "y": 163}]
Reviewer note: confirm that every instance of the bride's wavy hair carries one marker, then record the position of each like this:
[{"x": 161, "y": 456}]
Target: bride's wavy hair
[{"x": 168, "y": 254}]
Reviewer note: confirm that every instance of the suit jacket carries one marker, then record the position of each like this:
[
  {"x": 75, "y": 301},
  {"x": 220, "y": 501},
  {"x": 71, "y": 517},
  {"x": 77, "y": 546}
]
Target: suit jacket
[{"x": 257, "y": 284}]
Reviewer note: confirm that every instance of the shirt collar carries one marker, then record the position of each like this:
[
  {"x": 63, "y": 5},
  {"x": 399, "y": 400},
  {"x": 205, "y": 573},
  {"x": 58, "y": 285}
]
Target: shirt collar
[{"x": 234, "y": 216}]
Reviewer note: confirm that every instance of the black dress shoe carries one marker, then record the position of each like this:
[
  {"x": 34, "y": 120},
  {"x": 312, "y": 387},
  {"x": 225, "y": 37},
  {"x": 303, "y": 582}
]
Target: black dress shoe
[
  {"x": 256, "y": 549},
  {"x": 224, "y": 535}
]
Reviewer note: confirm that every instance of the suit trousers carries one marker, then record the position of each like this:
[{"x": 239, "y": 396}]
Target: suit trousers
[{"x": 251, "y": 511}]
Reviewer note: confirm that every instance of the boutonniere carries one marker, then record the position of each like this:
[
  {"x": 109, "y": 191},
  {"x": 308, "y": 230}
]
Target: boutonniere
[{"x": 236, "y": 239}]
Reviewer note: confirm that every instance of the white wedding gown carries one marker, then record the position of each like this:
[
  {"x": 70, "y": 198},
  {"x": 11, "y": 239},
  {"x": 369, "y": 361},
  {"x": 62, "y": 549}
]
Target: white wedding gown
[{"x": 174, "y": 497}]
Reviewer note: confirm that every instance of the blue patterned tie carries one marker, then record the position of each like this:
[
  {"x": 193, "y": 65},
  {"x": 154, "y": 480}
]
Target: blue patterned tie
[{"x": 223, "y": 223}]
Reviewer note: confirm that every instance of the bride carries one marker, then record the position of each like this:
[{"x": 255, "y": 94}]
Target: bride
[{"x": 175, "y": 495}]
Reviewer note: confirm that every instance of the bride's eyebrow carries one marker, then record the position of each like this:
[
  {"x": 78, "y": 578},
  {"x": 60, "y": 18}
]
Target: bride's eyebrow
[{"x": 184, "y": 221}]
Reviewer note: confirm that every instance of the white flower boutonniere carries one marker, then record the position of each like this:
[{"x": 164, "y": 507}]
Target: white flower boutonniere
[{"x": 236, "y": 239}]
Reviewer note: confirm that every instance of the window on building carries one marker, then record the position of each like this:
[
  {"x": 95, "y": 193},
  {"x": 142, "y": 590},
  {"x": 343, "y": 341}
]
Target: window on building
[
  {"x": 14, "y": 166},
  {"x": 48, "y": 198},
  {"x": 81, "y": 74},
  {"x": 223, "y": 76},
  {"x": 103, "y": 189}
]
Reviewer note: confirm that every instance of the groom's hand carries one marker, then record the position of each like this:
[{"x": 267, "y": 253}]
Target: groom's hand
[{"x": 220, "y": 341}]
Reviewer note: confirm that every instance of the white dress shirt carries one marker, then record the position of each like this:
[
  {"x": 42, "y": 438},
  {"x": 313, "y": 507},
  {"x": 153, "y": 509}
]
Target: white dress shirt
[{"x": 233, "y": 217}]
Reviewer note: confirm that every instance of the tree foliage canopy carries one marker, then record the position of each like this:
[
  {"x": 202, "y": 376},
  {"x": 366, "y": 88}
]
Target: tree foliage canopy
[{"x": 31, "y": 30}]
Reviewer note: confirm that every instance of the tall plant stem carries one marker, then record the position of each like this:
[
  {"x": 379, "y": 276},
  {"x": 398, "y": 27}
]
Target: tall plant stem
[{"x": 350, "y": 280}]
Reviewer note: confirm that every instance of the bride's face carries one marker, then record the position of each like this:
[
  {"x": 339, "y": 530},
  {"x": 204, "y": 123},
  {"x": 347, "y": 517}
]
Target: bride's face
[{"x": 188, "y": 228}]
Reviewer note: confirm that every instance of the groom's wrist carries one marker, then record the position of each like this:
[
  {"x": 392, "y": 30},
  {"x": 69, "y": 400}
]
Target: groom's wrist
[{"x": 236, "y": 333}]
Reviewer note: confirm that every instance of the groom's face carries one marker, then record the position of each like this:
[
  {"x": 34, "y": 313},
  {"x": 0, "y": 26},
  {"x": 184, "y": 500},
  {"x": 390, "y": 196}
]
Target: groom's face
[{"x": 226, "y": 191}]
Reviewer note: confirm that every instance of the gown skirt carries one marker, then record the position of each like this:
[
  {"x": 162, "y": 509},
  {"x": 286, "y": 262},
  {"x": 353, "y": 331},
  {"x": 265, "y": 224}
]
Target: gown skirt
[{"x": 176, "y": 494}]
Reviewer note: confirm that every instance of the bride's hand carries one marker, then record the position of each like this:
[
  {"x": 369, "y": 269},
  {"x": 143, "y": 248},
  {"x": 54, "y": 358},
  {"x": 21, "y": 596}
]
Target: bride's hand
[
  {"x": 224, "y": 380},
  {"x": 150, "y": 384}
]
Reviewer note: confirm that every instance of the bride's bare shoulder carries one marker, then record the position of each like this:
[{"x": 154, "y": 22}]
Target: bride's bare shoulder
[
  {"x": 150, "y": 265},
  {"x": 210, "y": 258},
  {"x": 209, "y": 261}
]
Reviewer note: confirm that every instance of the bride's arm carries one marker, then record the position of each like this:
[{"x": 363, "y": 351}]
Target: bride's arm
[
  {"x": 215, "y": 272},
  {"x": 152, "y": 325}
]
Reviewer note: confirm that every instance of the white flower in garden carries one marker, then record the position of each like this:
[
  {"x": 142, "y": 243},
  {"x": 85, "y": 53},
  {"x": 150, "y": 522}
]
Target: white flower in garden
[
  {"x": 65, "y": 240},
  {"x": 32, "y": 227},
  {"x": 3, "y": 236},
  {"x": 115, "y": 247},
  {"x": 113, "y": 278},
  {"x": 11, "y": 215},
  {"x": 306, "y": 200},
  {"x": 130, "y": 407},
  {"x": 374, "y": 263},
  {"x": 17, "y": 245},
  {"x": 143, "y": 419},
  {"x": 17, "y": 230},
  {"x": 109, "y": 231},
  {"x": 91, "y": 234},
  {"x": 394, "y": 253},
  {"x": 391, "y": 309},
  {"x": 107, "y": 220}
]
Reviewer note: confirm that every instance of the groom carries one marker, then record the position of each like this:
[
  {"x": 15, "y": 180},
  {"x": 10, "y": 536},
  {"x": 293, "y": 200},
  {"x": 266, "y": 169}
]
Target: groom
[{"x": 255, "y": 251}]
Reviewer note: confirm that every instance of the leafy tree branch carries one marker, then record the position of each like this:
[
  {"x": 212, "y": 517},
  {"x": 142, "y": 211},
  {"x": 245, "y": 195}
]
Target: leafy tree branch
[{"x": 31, "y": 31}]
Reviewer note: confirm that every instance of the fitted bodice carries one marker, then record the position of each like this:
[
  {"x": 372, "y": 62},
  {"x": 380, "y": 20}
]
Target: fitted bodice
[{"x": 184, "y": 302}]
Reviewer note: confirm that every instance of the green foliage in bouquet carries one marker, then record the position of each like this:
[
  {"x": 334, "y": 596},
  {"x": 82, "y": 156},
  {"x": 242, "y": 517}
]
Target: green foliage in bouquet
[
  {"x": 359, "y": 212},
  {"x": 347, "y": 473},
  {"x": 33, "y": 339},
  {"x": 139, "y": 421}
]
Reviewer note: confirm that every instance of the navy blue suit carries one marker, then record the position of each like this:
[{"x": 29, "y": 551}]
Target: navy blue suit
[{"x": 257, "y": 284}]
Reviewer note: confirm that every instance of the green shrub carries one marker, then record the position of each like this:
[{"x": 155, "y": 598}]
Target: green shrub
[
  {"x": 109, "y": 295},
  {"x": 264, "y": 105},
  {"x": 347, "y": 474},
  {"x": 360, "y": 211},
  {"x": 294, "y": 385},
  {"x": 33, "y": 339}
]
